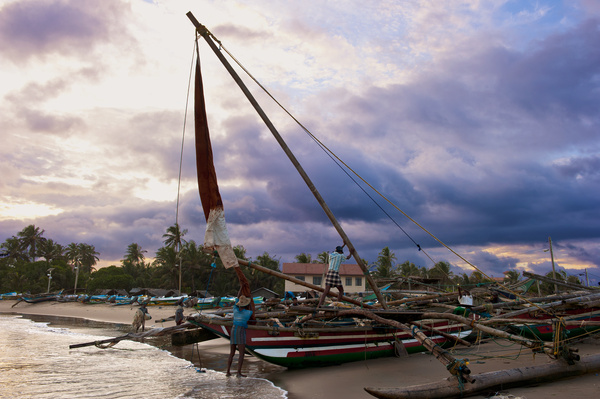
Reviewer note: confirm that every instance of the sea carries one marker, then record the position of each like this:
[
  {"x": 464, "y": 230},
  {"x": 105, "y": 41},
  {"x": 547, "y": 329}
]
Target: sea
[{"x": 36, "y": 362}]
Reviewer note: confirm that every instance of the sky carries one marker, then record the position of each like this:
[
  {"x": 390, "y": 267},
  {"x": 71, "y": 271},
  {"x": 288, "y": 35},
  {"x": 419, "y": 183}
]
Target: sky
[{"x": 477, "y": 119}]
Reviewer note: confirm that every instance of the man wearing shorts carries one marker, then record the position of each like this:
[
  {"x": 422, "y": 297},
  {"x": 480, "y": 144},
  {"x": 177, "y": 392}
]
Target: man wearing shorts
[{"x": 333, "y": 274}]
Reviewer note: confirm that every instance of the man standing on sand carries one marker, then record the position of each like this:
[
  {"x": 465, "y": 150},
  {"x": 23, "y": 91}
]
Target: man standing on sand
[
  {"x": 333, "y": 275},
  {"x": 141, "y": 315},
  {"x": 179, "y": 313},
  {"x": 241, "y": 315}
]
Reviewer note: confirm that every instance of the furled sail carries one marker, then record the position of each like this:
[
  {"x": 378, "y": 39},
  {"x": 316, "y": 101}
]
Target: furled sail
[{"x": 216, "y": 236}]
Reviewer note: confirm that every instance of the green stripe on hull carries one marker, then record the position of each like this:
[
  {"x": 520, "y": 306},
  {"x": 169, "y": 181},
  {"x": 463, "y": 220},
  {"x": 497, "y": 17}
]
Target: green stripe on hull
[
  {"x": 573, "y": 333},
  {"x": 327, "y": 360}
]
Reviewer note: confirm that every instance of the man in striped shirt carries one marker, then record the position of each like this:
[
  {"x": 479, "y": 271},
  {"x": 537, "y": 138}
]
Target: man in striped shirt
[{"x": 333, "y": 275}]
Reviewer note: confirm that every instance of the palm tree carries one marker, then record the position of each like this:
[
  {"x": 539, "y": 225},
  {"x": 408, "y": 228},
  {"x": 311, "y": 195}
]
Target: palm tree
[
  {"x": 323, "y": 257},
  {"x": 135, "y": 254},
  {"x": 12, "y": 249},
  {"x": 303, "y": 258},
  {"x": 72, "y": 254},
  {"x": 88, "y": 258},
  {"x": 30, "y": 238},
  {"x": 196, "y": 262},
  {"x": 166, "y": 261},
  {"x": 385, "y": 264},
  {"x": 511, "y": 277},
  {"x": 442, "y": 271},
  {"x": 50, "y": 250},
  {"x": 174, "y": 236},
  {"x": 408, "y": 269},
  {"x": 174, "y": 239},
  {"x": 477, "y": 277}
]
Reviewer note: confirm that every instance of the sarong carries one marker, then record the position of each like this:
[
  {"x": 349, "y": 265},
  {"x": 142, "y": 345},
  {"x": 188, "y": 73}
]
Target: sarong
[
  {"x": 333, "y": 278},
  {"x": 238, "y": 335}
]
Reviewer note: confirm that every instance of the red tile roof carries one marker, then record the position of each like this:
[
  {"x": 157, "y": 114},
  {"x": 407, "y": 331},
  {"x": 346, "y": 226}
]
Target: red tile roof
[{"x": 298, "y": 269}]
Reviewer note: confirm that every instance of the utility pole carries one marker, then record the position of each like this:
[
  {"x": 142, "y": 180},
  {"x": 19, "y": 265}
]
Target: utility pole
[
  {"x": 77, "y": 266},
  {"x": 553, "y": 268},
  {"x": 587, "y": 280},
  {"x": 49, "y": 279}
]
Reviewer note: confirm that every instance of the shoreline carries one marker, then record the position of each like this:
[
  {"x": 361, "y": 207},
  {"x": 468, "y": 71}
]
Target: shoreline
[{"x": 346, "y": 380}]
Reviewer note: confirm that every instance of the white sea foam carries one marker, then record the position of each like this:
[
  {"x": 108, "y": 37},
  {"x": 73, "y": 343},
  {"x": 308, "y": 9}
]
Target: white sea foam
[{"x": 36, "y": 362}]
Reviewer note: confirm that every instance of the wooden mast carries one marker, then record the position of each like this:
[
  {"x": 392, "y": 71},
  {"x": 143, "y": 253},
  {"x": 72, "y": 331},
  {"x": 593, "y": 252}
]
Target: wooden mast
[{"x": 203, "y": 31}]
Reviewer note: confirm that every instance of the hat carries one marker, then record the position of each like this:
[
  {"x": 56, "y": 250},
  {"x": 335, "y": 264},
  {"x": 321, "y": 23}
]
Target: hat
[
  {"x": 339, "y": 250},
  {"x": 243, "y": 301}
]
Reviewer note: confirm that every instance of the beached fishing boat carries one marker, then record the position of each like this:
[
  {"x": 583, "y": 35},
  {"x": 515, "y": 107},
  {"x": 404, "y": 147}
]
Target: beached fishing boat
[
  {"x": 221, "y": 302},
  {"x": 299, "y": 343},
  {"x": 573, "y": 324},
  {"x": 39, "y": 298},
  {"x": 10, "y": 295},
  {"x": 329, "y": 342}
]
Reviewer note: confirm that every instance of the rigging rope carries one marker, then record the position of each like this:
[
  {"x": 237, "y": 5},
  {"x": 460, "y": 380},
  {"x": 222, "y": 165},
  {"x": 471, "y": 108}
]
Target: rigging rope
[
  {"x": 328, "y": 151},
  {"x": 187, "y": 101},
  {"x": 339, "y": 162}
]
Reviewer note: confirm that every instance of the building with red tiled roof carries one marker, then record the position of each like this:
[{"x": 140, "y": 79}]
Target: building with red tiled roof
[{"x": 353, "y": 279}]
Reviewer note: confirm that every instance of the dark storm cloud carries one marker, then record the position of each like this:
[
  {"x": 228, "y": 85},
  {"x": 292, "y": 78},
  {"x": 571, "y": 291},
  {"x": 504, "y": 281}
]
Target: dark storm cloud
[
  {"x": 491, "y": 264},
  {"x": 142, "y": 222},
  {"x": 40, "y": 28},
  {"x": 560, "y": 74},
  {"x": 520, "y": 196},
  {"x": 581, "y": 168},
  {"x": 504, "y": 117}
]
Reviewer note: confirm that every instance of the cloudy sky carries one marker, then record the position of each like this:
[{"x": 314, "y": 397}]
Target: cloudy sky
[{"x": 478, "y": 119}]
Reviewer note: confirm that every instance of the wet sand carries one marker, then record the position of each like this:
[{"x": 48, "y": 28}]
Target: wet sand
[{"x": 348, "y": 380}]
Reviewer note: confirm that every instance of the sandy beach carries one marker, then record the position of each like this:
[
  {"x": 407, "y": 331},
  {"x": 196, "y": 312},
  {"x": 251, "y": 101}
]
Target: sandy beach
[{"x": 348, "y": 380}]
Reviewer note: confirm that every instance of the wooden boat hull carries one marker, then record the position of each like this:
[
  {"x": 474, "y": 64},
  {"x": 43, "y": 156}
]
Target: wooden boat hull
[
  {"x": 39, "y": 298},
  {"x": 545, "y": 331},
  {"x": 313, "y": 347},
  {"x": 492, "y": 381}
]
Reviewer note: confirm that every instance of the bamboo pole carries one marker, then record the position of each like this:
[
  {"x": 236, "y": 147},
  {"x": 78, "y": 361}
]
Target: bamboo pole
[
  {"x": 203, "y": 31},
  {"x": 532, "y": 344},
  {"x": 434, "y": 330},
  {"x": 582, "y": 300},
  {"x": 153, "y": 332},
  {"x": 424, "y": 299},
  {"x": 559, "y": 282},
  {"x": 437, "y": 351}
]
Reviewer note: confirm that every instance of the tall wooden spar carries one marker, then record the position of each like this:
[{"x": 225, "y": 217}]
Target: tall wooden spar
[{"x": 204, "y": 32}]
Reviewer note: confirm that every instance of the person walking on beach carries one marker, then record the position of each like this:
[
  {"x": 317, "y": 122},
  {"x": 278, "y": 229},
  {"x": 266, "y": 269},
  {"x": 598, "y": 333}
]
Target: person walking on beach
[
  {"x": 241, "y": 315},
  {"x": 140, "y": 317},
  {"x": 179, "y": 313},
  {"x": 333, "y": 275}
]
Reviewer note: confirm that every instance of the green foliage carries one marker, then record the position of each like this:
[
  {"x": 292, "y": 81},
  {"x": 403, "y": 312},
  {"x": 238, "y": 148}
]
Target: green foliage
[
  {"x": 21, "y": 271},
  {"x": 323, "y": 257},
  {"x": 303, "y": 258},
  {"x": 512, "y": 277},
  {"x": 385, "y": 264},
  {"x": 111, "y": 277}
]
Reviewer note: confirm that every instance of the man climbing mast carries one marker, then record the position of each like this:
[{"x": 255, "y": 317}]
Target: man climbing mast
[{"x": 333, "y": 275}]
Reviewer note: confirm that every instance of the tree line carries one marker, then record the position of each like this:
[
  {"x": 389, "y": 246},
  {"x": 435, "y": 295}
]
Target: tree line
[
  {"x": 386, "y": 268},
  {"x": 28, "y": 260}
]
